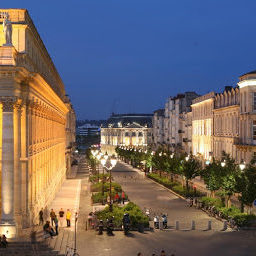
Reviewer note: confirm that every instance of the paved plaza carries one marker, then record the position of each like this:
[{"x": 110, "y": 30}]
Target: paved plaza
[{"x": 146, "y": 193}]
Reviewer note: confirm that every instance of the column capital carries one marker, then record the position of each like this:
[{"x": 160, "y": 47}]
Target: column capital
[{"x": 8, "y": 103}]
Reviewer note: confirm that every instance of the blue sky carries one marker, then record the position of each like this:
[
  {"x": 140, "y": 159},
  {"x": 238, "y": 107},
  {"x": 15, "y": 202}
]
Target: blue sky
[{"x": 130, "y": 55}]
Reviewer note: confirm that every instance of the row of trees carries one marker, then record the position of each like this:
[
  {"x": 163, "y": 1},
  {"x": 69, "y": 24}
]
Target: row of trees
[{"x": 224, "y": 176}]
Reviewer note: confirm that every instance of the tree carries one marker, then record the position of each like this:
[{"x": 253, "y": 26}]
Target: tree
[
  {"x": 190, "y": 169},
  {"x": 160, "y": 161},
  {"x": 246, "y": 186},
  {"x": 212, "y": 175},
  {"x": 174, "y": 165},
  {"x": 230, "y": 172}
]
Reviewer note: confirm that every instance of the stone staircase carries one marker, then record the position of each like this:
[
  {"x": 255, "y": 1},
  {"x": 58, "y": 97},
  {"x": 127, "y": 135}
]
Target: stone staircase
[{"x": 42, "y": 247}]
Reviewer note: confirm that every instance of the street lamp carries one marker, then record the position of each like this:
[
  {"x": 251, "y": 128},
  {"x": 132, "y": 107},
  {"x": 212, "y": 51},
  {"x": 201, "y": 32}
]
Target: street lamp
[
  {"x": 207, "y": 162},
  {"x": 223, "y": 163},
  {"x": 187, "y": 158},
  {"x": 113, "y": 162},
  {"x": 242, "y": 165}
]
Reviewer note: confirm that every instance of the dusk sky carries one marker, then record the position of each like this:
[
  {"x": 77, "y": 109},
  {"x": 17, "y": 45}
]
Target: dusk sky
[{"x": 129, "y": 55}]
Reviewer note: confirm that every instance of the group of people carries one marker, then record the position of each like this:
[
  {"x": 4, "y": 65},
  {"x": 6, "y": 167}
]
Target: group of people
[
  {"x": 120, "y": 198},
  {"x": 55, "y": 220}
]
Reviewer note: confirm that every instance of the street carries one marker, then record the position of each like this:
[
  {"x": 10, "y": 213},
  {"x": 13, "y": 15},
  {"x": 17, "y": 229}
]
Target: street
[{"x": 146, "y": 193}]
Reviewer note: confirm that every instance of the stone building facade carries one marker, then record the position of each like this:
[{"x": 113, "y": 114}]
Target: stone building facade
[
  {"x": 175, "y": 132},
  {"x": 246, "y": 141},
  {"x": 226, "y": 115},
  {"x": 133, "y": 130},
  {"x": 158, "y": 127},
  {"x": 202, "y": 125},
  {"x": 33, "y": 121},
  {"x": 70, "y": 135}
]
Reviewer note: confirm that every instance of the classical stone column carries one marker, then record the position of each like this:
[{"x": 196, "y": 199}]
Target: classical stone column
[{"x": 7, "y": 223}]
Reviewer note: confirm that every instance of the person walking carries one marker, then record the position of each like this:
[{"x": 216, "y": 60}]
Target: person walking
[
  {"x": 61, "y": 216},
  {"x": 41, "y": 217},
  {"x": 68, "y": 217},
  {"x": 52, "y": 216},
  {"x": 117, "y": 197},
  {"x": 123, "y": 196},
  {"x": 56, "y": 222}
]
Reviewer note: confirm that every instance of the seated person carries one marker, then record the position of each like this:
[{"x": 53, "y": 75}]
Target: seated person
[
  {"x": 48, "y": 229},
  {"x": 4, "y": 242}
]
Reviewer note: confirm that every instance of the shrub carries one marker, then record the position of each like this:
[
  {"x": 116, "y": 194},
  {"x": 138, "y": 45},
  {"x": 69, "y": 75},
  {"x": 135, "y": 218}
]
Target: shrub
[
  {"x": 229, "y": 212},
  {"x": 243, "y": 219},
  {"x": 209, "y": 201},
  {"x": 179, "y": 189},
  {"x": 94, "y": 178},
  {"x": 136, "y": 215},
  {"x": 162, "y": 180},
  {"x": 97, "y": 187}
]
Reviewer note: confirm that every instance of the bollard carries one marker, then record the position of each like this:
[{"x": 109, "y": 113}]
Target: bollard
[
  {"x": 209, "y": 225},
  {"x": 225, "y": 225},
  {"x": 177, "y": 225},
  {"x": 160, "y": 225},
  {"x": 193, "y": 225}
]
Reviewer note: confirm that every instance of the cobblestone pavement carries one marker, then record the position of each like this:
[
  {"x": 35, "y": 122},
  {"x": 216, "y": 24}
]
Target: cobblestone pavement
[
  {"x": 183, "y": 242},
  {"x": 148, "y": 194}
]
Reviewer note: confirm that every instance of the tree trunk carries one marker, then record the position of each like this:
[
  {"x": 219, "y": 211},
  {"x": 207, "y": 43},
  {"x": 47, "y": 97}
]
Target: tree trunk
[
  {"x": 228, "y": 203},
  {"x": 171, "y": 177},
  {"x": 187, "y": 188},
  {"x": 213, "y": 194},
  {"x": 242, "y": 206}
]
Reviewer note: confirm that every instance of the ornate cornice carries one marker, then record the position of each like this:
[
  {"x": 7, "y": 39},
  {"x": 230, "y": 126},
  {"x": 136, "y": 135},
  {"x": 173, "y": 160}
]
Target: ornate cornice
[{"x": 8, "y": 103}]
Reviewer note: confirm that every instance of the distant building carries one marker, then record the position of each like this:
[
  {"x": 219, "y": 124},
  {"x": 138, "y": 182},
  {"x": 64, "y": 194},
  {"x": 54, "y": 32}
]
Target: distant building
[
  {"x": 88, "y": 130},
  {"x": 172, "y": 125},
  {"x": 158, "y": 127},
  {"x": 126, "y": 129}
]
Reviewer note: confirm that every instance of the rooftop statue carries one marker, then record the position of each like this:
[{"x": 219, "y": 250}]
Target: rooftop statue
[{"x": 7, "y": 28}]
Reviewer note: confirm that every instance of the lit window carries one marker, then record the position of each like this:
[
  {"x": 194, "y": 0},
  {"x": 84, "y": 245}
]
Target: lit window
[
  {"x": 254, "y": 101},
  {"x": 254, "y": 130}
]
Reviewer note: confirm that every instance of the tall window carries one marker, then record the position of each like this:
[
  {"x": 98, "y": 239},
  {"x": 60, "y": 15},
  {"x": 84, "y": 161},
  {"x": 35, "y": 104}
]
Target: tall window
[
  {"x": 254, "y": 130},
  {"x": 254, "y": 101}
]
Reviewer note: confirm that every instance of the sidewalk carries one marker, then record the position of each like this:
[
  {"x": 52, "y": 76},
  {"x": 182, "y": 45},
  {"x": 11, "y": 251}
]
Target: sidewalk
[{"x": 67, "y": 198}]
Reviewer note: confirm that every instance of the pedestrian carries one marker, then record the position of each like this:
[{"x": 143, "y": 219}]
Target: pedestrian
[
  {"x": 123, "y": 196},
  {"x": 41, "y": 217},
  {"x": 56, "y": 222},
  {"x": 162, "y": 253},
  {"x": 48, "y": 229},
  {"x": 191, "y": 201},
  {"x": 117, "y": 197},
  {"x": 52, "y": 216},
  {"x": 68, "y": 217},
  {"x": 61, "y": 216}
]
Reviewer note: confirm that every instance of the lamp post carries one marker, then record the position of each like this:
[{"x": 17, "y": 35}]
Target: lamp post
[
  {"x": 223, "y": 163},
  {"x": 113, "y": 162},
  {"x": 98, "y": 167},
  {"x": 242, "y": 165}
]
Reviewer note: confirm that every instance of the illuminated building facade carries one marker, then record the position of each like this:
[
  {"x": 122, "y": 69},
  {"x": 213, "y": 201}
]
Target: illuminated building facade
[
  {"x": 175, "y": 131},
  {"x": 202, "y": 125},
  {"x": 37, "y": 125},
  {"x": 133, "y": 130}
]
